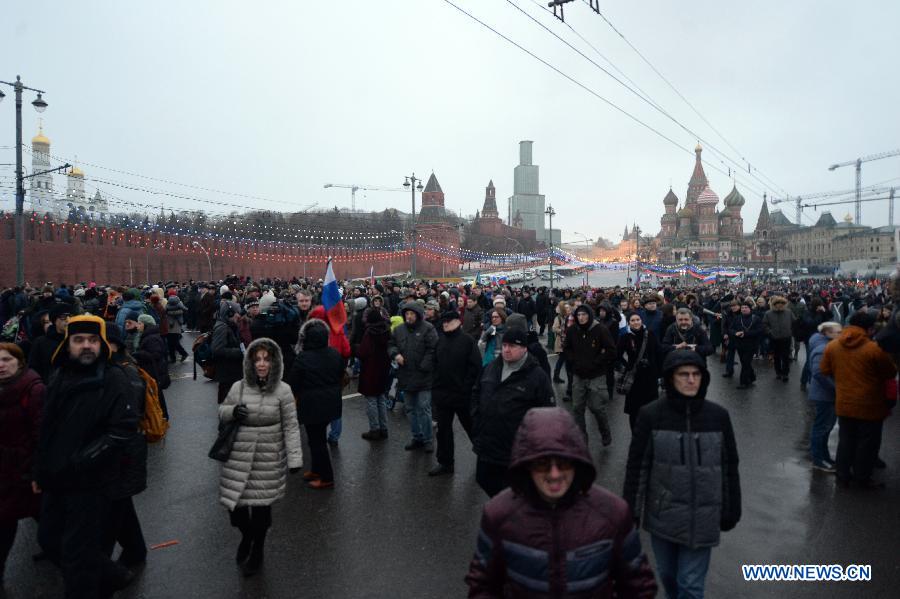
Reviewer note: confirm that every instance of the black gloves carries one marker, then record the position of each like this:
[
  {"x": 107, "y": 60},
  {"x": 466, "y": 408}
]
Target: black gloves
[
  {"x": 294, "y": 470},
  {"x": 240, "y": 412}
]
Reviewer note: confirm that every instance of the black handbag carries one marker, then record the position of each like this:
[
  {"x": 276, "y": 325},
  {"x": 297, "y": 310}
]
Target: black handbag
[
  {"x": 221, "y": 447},
  {"x": 623, "y": 385}
]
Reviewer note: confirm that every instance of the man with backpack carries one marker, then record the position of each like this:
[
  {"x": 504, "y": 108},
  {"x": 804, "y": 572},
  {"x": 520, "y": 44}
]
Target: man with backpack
[{"x": 227, "y": 350}]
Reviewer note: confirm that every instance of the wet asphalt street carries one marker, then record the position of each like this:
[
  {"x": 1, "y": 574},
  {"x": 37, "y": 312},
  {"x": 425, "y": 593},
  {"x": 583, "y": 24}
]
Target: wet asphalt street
[{"x": 387, "y": 530}]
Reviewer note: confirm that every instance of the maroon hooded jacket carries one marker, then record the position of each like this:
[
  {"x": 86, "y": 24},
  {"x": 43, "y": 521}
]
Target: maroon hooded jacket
[{"x": 586, "y": 546}]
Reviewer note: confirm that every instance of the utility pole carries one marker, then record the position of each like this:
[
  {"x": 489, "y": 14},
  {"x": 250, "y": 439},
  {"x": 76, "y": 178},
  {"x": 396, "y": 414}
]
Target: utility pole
[
  {"x": 551, "y": 212},
  {"x": 410, "y": 183},
  {"x": 40, "y": 105}
]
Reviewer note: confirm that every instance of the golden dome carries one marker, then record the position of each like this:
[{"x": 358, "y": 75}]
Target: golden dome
[
  {"x": 76, "y": 172},
  {"x": 40, "y": 138}
]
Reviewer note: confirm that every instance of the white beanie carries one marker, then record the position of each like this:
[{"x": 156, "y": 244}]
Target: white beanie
[
  {"x": 266, "y": 301},
  {"x": 223, "y": 289}
]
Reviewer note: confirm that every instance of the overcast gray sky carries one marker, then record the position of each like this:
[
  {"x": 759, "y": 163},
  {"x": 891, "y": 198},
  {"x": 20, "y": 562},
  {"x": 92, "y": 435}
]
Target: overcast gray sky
[{"x": 275, "y": 99}]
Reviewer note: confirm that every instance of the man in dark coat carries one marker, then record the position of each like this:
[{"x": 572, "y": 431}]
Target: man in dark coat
[
  {"x": 87, "y": 422},
  {"x": 457, "y": 369},
  {"x": 584, "y": 534},
  {"x": 43, "y": 348},
  {"x": 542, "y": 305},
  {"x": 472, "y": 318},
  {"x": 686, "y": 334},
  {"x": 206, "y": 312},
  {"x": 227, "y": 351},
  {"x": 505, "y": 391},
  {"x": 684, "y": 493},
  {"x": 589, "y": 348},
  {"x": 374, "y": 372},
  {"x": 413, "y": 347},
  {"x": 527, "y": 308}
]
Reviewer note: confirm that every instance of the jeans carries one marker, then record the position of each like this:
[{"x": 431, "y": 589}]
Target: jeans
[
  {"x": 337, "y": 425},
  {"x": 589, "y": 393},
  {"x": 858, "y": 445},
  {"x": 320, "y": 459},
  {"x": 560, "y": 362},
  {"x": 490, "y": 477},
  {"x": 444, "y": 416},
  {"x": 821, "y": 430},
  {"x": 806, "y": 373},
  {"x": 376, "y": 410},
  {"x": 782, "y": 350},
  {"x": 7, "y": 538},
  {"x": 681, "y": 570},
  {"x": 418, "y": 411}
]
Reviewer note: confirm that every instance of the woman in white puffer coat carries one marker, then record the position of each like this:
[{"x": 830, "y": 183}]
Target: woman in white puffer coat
[{"x": 267, "y": 447}]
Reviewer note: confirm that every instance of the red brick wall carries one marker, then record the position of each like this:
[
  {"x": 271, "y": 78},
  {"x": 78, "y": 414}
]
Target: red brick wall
[{"x": 70, "y": 255}]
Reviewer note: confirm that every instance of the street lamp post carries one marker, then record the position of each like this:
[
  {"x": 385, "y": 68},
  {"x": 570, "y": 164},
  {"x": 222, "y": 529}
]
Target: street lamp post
[
  {"x": 550, "y": 212},
  {"x": 40, "y": 105},
  {"x": 155, "y": 248},
  {"x": 199, "y": 245},
  {"x": 410, "y": 183},
  {"x": 637, "y": 257},
  {"x": 587, "y": 246}
]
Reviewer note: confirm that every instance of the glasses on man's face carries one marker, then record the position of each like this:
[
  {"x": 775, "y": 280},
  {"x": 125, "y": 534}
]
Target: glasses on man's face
[
  {"x": 689, "y": 375},
  {"x": 546, "y": 464}
]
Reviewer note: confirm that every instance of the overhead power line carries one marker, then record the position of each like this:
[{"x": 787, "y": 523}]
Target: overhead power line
[
  {"x": 680, "y": 95},
  {"x": 587, "y": 89}
]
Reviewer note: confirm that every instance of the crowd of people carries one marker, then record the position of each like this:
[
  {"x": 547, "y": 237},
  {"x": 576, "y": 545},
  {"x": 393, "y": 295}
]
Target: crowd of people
[{"x": 76, "y": 364}]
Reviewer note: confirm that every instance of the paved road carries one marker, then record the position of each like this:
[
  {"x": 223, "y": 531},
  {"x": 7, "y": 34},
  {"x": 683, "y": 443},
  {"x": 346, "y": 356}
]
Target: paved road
[{"x": 388, "y": 530}]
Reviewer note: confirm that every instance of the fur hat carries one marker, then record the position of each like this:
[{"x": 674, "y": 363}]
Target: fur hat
[{"x": 266, "y": 301}]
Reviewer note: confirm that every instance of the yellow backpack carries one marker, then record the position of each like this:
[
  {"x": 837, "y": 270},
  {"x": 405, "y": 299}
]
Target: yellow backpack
[{"x": 153, "y": 424}]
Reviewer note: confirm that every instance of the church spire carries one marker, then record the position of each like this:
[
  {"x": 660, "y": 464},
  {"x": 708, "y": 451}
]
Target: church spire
[{"x": 698, "y": 181}]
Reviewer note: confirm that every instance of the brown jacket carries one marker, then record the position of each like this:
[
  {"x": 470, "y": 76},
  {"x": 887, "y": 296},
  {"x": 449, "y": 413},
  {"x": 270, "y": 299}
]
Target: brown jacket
[{"x": 860, "y": 369}]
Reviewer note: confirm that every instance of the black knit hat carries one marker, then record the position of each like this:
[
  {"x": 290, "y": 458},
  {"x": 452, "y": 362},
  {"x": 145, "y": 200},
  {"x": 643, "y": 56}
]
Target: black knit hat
[
  {"x": 59, "y": 310},
  {"x": 516, "y": 336},
  {"x": 449, "y": 316}
]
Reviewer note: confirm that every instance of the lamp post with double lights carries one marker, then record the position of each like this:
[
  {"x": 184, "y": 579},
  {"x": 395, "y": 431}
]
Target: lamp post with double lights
[
  {"x": 199, "y": 246},
  {"x": 410, "y": 183},
  {"x": 40, "y": 105}
]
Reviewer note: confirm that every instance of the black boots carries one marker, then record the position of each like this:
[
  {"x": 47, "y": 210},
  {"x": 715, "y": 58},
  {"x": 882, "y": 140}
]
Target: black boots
[
  {"x": 254, "y": 562},
  {"x": 243, "y": 551}
]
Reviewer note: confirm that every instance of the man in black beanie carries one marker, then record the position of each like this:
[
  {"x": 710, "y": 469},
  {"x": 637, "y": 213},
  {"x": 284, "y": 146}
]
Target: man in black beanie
[{"x": 506, "y": 390}]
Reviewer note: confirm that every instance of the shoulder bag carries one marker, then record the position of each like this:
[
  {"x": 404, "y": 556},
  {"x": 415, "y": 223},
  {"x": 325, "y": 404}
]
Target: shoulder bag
[
  {"x": 626, "y": 379},
  {"x": 221, "y": 448}
]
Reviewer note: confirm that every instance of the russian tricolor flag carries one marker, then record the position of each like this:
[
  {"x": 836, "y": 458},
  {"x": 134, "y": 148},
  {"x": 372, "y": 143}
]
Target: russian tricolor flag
[
  {"x": 709, "y": 279},
  {"x": 332, "y": 301}
]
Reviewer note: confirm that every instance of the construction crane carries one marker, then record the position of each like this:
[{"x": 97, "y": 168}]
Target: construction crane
[
  {"x": 858, "y": 162},
  {"x": 354, "y": 188}
]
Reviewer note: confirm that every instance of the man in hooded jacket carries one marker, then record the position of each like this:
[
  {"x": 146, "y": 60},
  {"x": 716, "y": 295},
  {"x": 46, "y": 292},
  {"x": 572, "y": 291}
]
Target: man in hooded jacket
[
  {"x": 589, "y": 348},
  {"x": 682, "y": 479},
  {"x": 88, "y": 420},
  {"x": 554, "y": 533},
  {"x": 413, "y": 346}
]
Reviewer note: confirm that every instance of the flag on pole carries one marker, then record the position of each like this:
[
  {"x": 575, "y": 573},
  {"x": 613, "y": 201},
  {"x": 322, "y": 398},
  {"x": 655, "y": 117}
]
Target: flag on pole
[
  {"x": 372, "y": 275},
  {"x": 709, "y": 279},
  {"x": 332, "y": 300}
]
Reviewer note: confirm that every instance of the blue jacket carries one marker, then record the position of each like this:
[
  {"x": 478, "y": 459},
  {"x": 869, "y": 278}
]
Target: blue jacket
[
  {"x": 821, "y": 386},
  {"x": 653, "y": 321}
]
